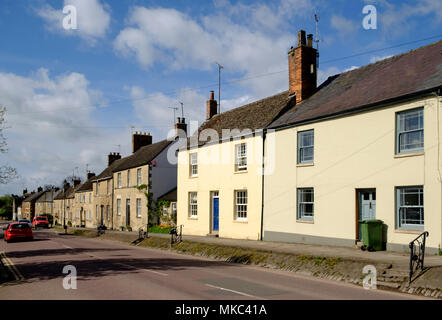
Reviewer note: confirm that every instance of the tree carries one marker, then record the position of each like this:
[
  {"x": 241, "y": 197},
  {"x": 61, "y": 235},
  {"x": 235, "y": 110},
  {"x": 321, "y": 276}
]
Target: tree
[
  {"x": 7, "y": 173},
  {"x": 6, "y": 206}
]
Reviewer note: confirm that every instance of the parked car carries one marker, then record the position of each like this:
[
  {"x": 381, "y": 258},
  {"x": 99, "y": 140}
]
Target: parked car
[
  {"x": 17, "y": 230},
  {"x": 25, "y": 221},
  {"x": 40, "y": 222}
]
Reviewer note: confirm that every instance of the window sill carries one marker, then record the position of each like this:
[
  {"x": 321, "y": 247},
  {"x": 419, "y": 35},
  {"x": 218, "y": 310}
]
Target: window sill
[
  {"x": 192, "y": 218},
  {"x": 240, "y": 171},
  {"x": 411, "y": 154},
  {"x": 240, "y": 221},
  {"x": 412, "y": 231},
  {"x": 305, "y": 164},
  {"x": 192, "y": 177},
  {"x": 305, "y": 221}
]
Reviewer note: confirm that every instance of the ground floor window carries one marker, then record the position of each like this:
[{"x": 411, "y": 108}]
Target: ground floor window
[
  {"x": 118, "y": 207},
  {"x": 241, "y": 205},
  {"x": 410, "y": 207},
  {"x": 108, "y": 213},
  {"x": 305, "y": 203},
  {"x": 139, "y": 208},
  {"x": 193, "y": 204}
]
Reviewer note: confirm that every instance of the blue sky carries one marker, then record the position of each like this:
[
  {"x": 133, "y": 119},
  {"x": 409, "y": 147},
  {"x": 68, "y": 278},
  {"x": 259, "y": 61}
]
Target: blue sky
[{"x": 74, "y": 96}]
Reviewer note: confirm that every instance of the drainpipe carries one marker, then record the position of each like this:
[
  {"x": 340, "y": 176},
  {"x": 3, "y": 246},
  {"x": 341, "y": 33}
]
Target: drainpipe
[
  {"x": 264, "y": 134},
  {"x": 439, "y": 97}
]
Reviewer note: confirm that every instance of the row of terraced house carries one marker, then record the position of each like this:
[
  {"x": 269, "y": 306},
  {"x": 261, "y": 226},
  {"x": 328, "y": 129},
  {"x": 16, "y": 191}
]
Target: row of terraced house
[{"x": 305, "y": 165}]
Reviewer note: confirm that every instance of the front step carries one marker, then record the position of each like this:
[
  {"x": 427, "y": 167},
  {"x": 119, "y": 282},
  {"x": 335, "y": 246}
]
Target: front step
[{"x": 392, "y": 285}]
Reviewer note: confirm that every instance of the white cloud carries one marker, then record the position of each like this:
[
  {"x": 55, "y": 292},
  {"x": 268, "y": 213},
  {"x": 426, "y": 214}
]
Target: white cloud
[
  {"x": 52, "y": 130},
  {"x": 244, "y": 46},
  {"x": 343, "y": 25},
  {"x": 93, "y": 19}
]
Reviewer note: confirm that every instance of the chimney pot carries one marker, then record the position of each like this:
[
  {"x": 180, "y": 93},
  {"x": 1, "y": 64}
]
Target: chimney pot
[
  {"x": 180, "y": 125},
  {"x": 139, "y": 140},
  {"x": 302, "y": 68},
  {"x": 112, "y": 157},
  {"x": 211, "y": 106}
]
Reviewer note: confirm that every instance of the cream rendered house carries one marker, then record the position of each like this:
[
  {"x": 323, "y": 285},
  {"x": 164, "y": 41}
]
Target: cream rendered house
[
  {"x": 364, "y": 145},
  {"x": 220, "y": 171}
]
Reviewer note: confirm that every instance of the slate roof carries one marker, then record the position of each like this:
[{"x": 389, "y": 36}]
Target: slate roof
[
  {"x": 142, "y": 156},
  {"x": 413, "y": 72},
  {"x": 254, "y": 116},
  {"x": 107, "y": 173},
  {"x": 47, "y": 196},
  {"x": 33, "y": 196},
  {"x": 87, "y": 186}
]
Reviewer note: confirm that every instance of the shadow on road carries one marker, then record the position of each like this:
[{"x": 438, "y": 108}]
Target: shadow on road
[
  {"x": 95, "y": 269},
  {"x": 54, "y": 252}
]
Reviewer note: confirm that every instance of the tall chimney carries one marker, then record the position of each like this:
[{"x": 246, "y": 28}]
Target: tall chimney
[
  {"x": 66, "y": 185},
  {"x": 211, "y": 106},
  {"x": 90, "y": 175},
  {"x": 140, "y": 139},
  {"x": 76, "y": 182},
  {"x": 39, "y": 189},
  {"x": 302, "y": 68},
  {"x": 112, "y": 157},
  {"x": 25, "y": 191},
  {"x": 180, "y": 125}
]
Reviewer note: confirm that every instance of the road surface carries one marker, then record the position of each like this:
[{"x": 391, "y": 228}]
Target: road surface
[{"x": 112, "y": 270}]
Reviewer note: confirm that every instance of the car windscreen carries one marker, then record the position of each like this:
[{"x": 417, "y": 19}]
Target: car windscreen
[{"x": 20, "y": 226}]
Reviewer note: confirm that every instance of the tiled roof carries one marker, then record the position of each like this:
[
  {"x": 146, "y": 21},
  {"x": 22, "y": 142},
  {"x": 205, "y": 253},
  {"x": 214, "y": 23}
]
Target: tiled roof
[
  {"x": 87, "y": 186},
  {"x": 33, "y": 196},
  {"x": 254, "y": 116},
  {"x": 400, "y": 76},
  {"x": 107, "y": 173},
  {"x": 142, "y": 156}
]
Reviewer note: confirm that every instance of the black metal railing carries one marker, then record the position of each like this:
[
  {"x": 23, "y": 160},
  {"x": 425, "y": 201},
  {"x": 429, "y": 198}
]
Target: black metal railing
[
  {"x": 143, "y": 234},
  {"x": 417, "y": 254},
  {"x": 175, "y": 236}
]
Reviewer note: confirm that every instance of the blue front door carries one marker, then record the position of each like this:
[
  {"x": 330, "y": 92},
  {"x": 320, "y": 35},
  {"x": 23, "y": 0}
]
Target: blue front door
[{"x": 215, "y": 214}]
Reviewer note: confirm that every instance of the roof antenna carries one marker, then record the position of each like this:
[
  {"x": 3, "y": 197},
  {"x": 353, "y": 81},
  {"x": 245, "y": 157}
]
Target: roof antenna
[
  {"x": 174, "y": 111},
  {"x": 219, "y": 86},
  {"x": 317, "y": 38},
  {"x": 182, "y": 109}
]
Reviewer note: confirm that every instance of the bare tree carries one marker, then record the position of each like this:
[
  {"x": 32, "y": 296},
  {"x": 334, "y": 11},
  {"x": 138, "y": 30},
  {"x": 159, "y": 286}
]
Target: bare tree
[{"x": 7, "y": 173}]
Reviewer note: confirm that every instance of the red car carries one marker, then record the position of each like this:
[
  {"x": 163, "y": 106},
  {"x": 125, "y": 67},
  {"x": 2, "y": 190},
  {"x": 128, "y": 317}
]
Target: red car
[
  {"x": 40, "y": 222},
  {"x": 17, "y": 230}
]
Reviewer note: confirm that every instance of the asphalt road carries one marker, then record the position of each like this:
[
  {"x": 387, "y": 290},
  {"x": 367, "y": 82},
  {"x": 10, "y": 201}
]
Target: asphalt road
[{"x": 111, "y": 270}]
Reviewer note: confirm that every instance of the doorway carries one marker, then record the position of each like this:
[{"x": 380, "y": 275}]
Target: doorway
[
  {"x": 215, "y": 211},
  {"x": 127, "y": 212},
  {"x": 365, "y": 209}
]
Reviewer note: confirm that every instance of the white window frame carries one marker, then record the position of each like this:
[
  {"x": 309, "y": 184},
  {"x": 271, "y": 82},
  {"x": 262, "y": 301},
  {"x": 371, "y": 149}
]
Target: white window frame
[
  {"x": 139, "y": 175},
  {"x": 119, "y": 179},
  {"x": 138, "y": 208},
  {"x": 193, "y": 204},
  {"x": 118, "y": 207},
  {"x": 241, "y": 157},
  {"x": 301, "y": 203},
  {"x": 108, "y": 212},
  {"x": 128, "y": 178},
  {"x": 108, "y": 187},
  {"x": 404, "y": 132},
  {"x": 241, "y": 200},
  {"x": 401, "y": 206},
  {"x": 193, "y": 158},
  {"x": 97, "y": 188},
  {"x": 97, "y": 212},
  {"x": 302, "y": 147}
]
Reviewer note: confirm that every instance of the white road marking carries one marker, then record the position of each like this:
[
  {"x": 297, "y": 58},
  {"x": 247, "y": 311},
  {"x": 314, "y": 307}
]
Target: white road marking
[
  {"x": 148, "y": 270},
  {"x": 234, "y": 291}
]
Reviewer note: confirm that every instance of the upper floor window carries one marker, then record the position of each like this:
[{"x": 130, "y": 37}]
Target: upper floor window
[
  {"x": 108, "y": 187},
  {"x": 138, "y": 177},
  {"x": 128, "y": 178},
  {"x": 241, "y": 205},
  {"x": 90, "y": 197},
  {"x": 119, "y": 179},
  {"x": 305, "y": 146},
  {"x": 241, "y": 157},
  {"x": 193, "y": 204},
  {"x": 97, "y": 186},
  {"x": 306, "y": 197},
  {"x": 410, "y": 130},
  {"x": 410, "y": 207},
  {"x": 194, "y": 164}
]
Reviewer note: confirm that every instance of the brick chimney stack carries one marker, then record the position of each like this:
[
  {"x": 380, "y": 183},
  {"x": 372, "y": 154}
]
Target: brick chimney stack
[
  {"x": 112, "y": 157},
  {"x": 90, "y": 175},
  {"x": 211, "y": 106},
  {"x": 140, "y": 139},
  {"x": 76, "y": 182},
  {"x": 180, "y": 125},
  {"x": 302, "y": 68},
  {"x": 25, "y": 191}
]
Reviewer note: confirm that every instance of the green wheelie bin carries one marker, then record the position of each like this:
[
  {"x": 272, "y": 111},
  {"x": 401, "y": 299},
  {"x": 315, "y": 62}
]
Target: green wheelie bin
[{"x": 372, "y": 235}]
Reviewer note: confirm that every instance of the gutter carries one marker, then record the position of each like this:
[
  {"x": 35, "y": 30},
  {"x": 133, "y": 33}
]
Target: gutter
[{"x": 264, "y": 135}]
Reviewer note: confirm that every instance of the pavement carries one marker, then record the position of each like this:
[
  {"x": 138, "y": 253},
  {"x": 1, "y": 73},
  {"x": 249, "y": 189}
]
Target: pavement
[{"x": 109, "y": 270}]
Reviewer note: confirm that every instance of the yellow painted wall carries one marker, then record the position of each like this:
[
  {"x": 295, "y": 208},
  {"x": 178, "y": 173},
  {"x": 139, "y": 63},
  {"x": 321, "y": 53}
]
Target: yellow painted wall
[
  {"x": 353, "y": 152},
  {"x": 216, "y": 172}
]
